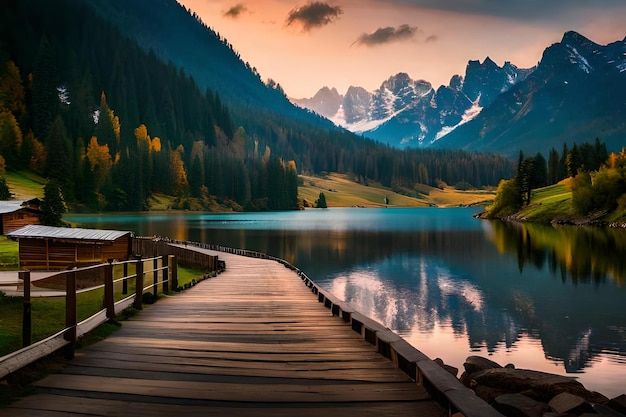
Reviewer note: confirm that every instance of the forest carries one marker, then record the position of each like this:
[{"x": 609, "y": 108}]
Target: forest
[
  {"x": 598, "y": 182},
  {"x": 112, "y": 124}
]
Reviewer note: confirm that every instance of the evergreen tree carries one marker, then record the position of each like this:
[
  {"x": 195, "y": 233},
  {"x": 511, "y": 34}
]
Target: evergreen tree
[
  {"x": 540, "y": 172},
  {"x": 108, "y": 126},
  {"x": 554, "y": 167},
  {"x": 52, "y": 205},
  {"x": 574, "y": 161},
  {"x": 44, "y": 83},
  {"x": 321, "y": 201},
  {"x": 59, "y": 160},
  {"x": 600, "y": 154},
  {"x": 5, "y": 192},
  {"x": 196, "y": 180},
  {"x": 563, "y": 162}
]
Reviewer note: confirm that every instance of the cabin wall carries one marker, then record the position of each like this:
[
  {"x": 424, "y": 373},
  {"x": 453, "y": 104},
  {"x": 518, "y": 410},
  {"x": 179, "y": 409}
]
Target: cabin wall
[
  {"x": 18, "y": 219},
  {"x": 43, "y": 254}
]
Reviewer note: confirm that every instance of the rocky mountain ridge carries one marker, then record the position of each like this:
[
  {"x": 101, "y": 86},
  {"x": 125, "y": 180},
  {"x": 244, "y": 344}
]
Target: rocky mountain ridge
[
  {"x": 576, "y": 93},
  {"x": 406, "y": 112}
]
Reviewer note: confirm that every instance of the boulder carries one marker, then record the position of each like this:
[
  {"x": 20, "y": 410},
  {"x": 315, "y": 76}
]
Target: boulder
[
  {"x": 453, "y": 370},
  {"x": 518, "y": 405},
  {"x": 569, "y": 403},
  {"x": 618, "y": 403},
  {"x": 475, "y": 364},
  {"x": 545, "y": 385}
]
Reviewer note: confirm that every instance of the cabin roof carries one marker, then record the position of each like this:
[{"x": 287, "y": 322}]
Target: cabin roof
[
  {"x": 34, "y": 231},
  {"x": 10, "y": 206}
]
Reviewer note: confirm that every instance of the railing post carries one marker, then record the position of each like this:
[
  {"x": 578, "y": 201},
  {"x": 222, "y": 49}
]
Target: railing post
[
  {"x": 174, "y": 267},
  {"x": 138, "y": 303},
  {"x": 155, "y": 277},
  {"x": 125, "y": 280},
  {"x": 109, "y": 300},
  {"x": 27, "y": 316},
  {"x": 70, "y": 313},
  {"x": 166, "y": 273}
]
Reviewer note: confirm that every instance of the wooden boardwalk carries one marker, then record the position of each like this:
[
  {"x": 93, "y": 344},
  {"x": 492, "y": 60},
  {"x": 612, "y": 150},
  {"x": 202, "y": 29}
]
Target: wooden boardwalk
[{"x": 252, "y": 341}]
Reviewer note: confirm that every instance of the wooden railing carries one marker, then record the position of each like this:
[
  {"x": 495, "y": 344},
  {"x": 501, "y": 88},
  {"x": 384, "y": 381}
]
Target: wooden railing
[
  {"x": 151, "y": 246},
  {"x": 162, "y": 270},
  {"x": 150, "y": 252}
]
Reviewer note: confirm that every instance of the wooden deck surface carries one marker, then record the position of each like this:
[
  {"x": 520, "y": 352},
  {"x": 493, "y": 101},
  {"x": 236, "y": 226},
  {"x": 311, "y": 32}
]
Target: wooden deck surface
[{"x": 252, "y": 341}]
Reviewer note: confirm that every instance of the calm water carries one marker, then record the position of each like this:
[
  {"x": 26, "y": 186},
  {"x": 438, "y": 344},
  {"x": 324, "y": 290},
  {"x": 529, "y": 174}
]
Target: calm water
[{"x": 545, "y": 298}]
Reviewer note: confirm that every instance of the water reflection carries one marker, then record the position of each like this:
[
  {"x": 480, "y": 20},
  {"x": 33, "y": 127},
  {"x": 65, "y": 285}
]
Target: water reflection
[
  {"x": 541, "y": 297},
  {"x": 581, "y": 254}
]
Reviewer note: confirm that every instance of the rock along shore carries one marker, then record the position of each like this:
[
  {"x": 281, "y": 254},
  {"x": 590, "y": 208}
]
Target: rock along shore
[{"x": 527, "y": 393}]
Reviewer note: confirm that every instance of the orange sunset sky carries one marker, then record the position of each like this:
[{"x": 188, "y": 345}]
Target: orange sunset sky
[{"x": 306, "y": 45}]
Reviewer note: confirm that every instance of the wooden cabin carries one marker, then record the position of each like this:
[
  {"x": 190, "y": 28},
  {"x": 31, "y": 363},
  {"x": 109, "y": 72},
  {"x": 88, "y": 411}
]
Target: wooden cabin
[
  {"x": 18, "y": 213},
  {"x": 55, "y": 248}
]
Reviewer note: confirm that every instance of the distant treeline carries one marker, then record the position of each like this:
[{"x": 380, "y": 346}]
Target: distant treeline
[{"x": 112, "y": 124}]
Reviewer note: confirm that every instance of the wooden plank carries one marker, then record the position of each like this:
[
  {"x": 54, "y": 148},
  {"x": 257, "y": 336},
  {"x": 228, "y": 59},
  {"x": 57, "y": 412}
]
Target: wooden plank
[
  {"x": 320, "y": 371},
  {"x": 253, "y": 393},
  {"x": 182, "y": 354},
  {"x": 99, "y": 407},
  {"x": 25, "y": 356}
]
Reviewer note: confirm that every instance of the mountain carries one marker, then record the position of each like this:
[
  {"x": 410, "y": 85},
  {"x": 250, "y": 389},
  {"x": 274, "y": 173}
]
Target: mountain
[
  {"x": 577, "y": 93},
  {"x": 404, "y": 112}
]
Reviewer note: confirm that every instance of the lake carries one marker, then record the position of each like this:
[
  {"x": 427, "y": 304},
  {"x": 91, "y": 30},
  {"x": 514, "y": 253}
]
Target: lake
[{"x": 540, "y": 297}]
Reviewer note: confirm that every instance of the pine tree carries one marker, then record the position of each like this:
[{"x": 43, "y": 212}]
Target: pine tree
[
  {"x": 52, "y": 205},
  {"x": 44, "y": 95},
  {"x": 59, "y": 161},
  {"x": 321, "y": 201},
  {"x": 554, "y": 171},
  {"x": 540, "y": 171},
  {"x": 5, "y": 192}
]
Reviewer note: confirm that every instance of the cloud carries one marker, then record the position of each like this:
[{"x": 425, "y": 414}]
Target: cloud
[
  {"x": 522, "y": 10},
  {"x": 314, "y": 14},
  {"x": 235, "y": 11},
  {"x": 386, "y": 35}
]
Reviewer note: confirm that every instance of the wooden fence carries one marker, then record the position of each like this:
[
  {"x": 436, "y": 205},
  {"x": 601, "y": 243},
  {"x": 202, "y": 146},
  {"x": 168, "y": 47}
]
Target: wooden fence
[
  {"x": 149, "y": 246},
  {"x": 155, "y": 270},
  {"x": 138, "y": 277}
]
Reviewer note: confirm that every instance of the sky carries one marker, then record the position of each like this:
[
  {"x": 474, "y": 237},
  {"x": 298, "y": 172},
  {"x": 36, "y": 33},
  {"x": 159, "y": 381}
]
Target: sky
[{"x": 305, "y": 45}]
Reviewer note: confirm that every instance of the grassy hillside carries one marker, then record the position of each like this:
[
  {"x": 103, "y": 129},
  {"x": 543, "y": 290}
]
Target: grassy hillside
[
  {"x": 25, "y": 184},
  {"x": 549, "y": 203},
  {"x": 341, "y": 191}
]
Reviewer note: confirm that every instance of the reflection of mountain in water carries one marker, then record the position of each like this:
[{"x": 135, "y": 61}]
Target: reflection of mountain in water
[{"x": 458, "y": 279}]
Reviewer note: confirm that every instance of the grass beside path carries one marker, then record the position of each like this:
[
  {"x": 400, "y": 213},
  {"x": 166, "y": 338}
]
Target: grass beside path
[{"x": 9, "y": 259}]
